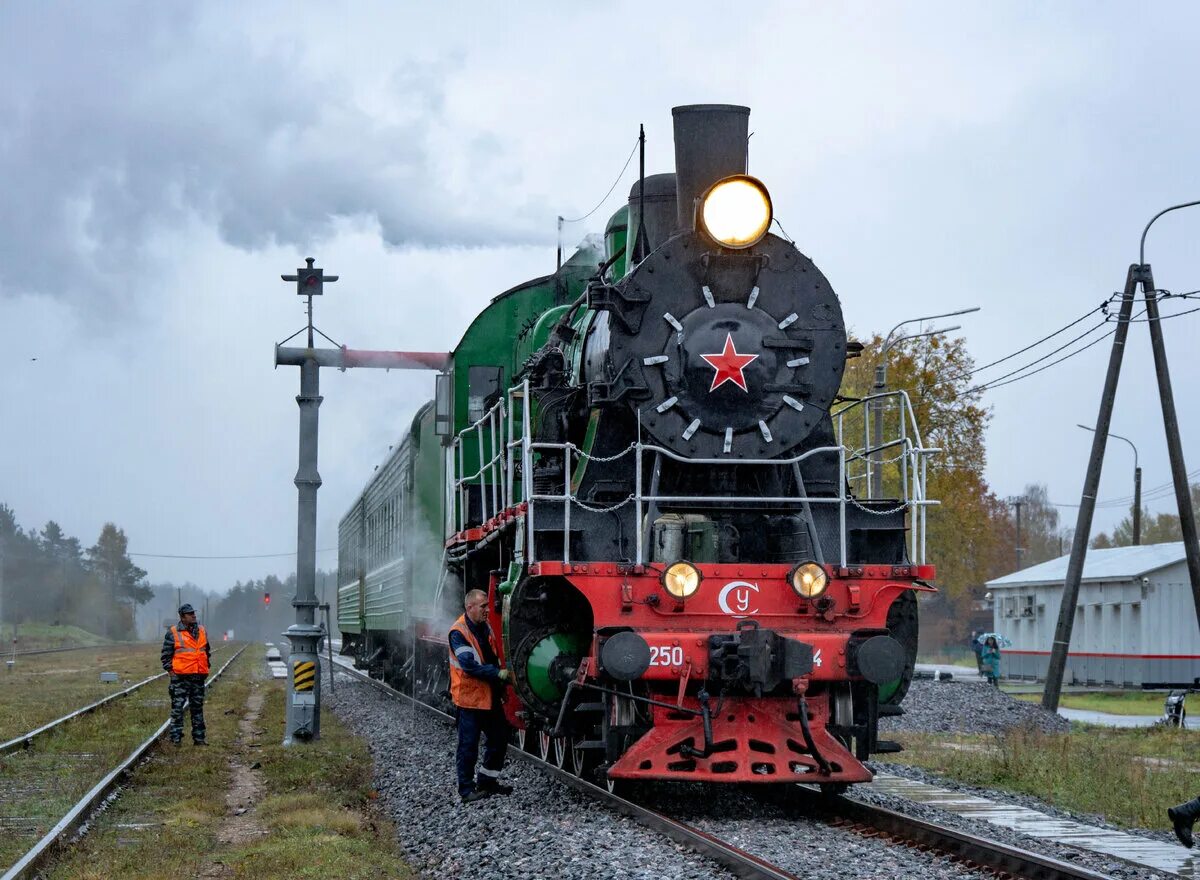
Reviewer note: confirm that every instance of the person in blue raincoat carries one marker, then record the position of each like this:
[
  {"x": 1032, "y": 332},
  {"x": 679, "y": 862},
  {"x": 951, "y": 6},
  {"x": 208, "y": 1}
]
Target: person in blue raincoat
[{"x": 989, "y": 661}]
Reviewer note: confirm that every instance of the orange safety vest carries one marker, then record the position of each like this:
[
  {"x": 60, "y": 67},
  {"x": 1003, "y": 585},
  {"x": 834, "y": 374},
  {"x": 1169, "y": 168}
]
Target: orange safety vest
[
  {"x": 467, "y": 691},
  {"x": 190, "y": 656}
]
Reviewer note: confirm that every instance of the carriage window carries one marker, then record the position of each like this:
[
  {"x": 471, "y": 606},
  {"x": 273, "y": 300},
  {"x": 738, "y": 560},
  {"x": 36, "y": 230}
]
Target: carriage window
[{"x": 483, "y": 387}]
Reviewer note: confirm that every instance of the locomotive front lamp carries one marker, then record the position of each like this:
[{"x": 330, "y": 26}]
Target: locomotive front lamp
[
  {"x": 808, "y": 580},
  {"x": 736, "y": 211},
  {"x": 681, "y": 579}
]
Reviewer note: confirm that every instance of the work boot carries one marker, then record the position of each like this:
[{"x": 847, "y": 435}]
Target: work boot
[
  {"x": 1183, "y": 817},
  {"x": 477, "y": 795},
  {"x": 199, "y": 742},
  {"x": 497, "y": 788},
  {"x": 176, "y": 742}
]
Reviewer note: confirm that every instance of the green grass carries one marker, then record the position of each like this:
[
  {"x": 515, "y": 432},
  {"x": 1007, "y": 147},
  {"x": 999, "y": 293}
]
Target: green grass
[
  {"x": 40, "y": 783},
  {"x": 318, "y": 808},
  {"x": 171, "y": 812},
  {"x": 1129, "y": 776},
  {"x": 47, "y": 686},
  {"x": 38, "y": 636},
  {"x": 1112, "y": 702},
  {"x": 316, "y": 805}
]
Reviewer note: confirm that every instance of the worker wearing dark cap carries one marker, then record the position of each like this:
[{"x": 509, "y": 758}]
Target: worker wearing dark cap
[{"x": 185, "y": 654}]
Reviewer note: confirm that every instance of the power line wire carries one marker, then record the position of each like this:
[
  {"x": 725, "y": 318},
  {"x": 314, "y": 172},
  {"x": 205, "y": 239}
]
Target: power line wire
[
  {"x": 1033, "y": 344},
  {"x": 610, "y": 189},
  {"x": 998, "y": 381},
  {"x": 241, "y": 556}
]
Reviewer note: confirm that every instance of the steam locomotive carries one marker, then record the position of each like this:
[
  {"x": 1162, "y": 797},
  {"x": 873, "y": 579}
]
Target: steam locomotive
[{"x": 700, "y": 559}]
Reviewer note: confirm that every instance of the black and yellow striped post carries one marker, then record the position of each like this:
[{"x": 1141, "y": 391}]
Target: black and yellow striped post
[{"x": 304, "y": 675}]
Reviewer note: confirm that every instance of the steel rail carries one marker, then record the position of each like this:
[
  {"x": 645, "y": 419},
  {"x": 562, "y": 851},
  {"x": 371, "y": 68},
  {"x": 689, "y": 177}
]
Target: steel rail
[
  {"x": 25, "y": 739},
  {"x": 737, "y": 861},
  {"x": 8, "y": 655},
  {"x": 961, "y": 845},
  {"x": 83, "y": 808},
  {"x": 970, "y": 849}
]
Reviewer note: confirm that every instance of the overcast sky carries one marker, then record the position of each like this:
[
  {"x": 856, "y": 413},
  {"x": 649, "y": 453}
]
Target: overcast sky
[{"x": 162, "y": 164}]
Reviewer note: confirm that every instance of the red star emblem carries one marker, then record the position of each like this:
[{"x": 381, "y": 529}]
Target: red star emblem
[{"x": 729, "y": 365}]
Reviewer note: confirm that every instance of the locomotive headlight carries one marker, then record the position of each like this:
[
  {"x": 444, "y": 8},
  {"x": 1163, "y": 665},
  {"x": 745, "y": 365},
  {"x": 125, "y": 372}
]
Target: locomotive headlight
[
  {"x": 808, "y": 580},
  {"x": 681, "y": 579},
  {"x": 736, "y": 211}
]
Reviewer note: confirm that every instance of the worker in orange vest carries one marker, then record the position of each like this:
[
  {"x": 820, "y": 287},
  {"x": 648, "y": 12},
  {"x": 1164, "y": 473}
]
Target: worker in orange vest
[
  {"x": 477, "y": 688},
  {"x": 185, "y": 655}
]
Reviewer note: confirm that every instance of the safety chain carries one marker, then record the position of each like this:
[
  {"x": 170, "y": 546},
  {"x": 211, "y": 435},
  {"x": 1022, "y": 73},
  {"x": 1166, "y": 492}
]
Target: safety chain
[
  {"x": 858, "y": 456},
  {"x": 594, "y": 509},
  {"x": 600, "y": 459},
  {"x": 865, "y": 509}
]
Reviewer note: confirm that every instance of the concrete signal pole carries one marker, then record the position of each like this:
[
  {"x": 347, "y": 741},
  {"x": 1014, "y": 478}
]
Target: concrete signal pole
[{"x": 304, "y": 678}]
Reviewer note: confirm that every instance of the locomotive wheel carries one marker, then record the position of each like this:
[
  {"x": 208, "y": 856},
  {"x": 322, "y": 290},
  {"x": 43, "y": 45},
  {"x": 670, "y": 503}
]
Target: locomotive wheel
[
  {"x": 832, "y": 789},
  {"x": 564, "y": 755},
  {"x": 545, "y": 745},
  {"x": 584, "y": 760}
]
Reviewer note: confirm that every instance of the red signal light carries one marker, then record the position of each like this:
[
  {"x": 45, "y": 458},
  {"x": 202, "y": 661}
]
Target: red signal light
[{"x": 266, "y": 598}]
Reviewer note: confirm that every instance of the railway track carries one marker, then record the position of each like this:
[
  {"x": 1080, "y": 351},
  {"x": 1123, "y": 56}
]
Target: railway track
[
  {"x": 26, "y": 739},
  {"x": 78, "y": 814},
  {"x": 9, "y": 655},
  {"x": 970, "y": 851}
]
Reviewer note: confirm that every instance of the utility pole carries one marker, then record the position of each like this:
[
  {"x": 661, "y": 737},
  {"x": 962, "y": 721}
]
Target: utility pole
[
  {"x": 1017, "y": 502},
  {"x": 1139, "y": 275},
  {"x": 1137, "y": 506},
  {"x": 304, "y": 679}
]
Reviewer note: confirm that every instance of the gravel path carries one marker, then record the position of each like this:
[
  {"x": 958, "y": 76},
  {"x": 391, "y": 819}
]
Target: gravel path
[
  {"x": 967, "y": 707},
  {"x": 546, "y": 829}
]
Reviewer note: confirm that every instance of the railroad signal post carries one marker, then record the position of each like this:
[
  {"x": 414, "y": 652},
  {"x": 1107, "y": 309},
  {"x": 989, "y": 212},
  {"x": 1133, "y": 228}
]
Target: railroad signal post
[{"x": 305, "y": 635}]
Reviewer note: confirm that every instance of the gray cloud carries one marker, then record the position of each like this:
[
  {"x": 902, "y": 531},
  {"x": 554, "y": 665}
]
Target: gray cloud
[{"x": 147, "y": 115}]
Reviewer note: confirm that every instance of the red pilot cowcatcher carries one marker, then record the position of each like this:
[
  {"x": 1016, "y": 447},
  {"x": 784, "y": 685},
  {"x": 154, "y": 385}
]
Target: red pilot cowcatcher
[{"x": 729, "y": 365}]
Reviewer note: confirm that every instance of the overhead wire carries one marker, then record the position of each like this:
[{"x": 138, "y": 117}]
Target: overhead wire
[
  {"x": 240, "y": 556},
  {"x": 999, "y": 379},
  {"x": 1020, "y": 351},
  {"x": 624, "y": 168}
]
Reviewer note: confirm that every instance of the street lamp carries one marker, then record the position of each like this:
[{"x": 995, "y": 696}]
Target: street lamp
[
  {"x": 1137, "y": 486},
  {"x": 881, "y": 385}
]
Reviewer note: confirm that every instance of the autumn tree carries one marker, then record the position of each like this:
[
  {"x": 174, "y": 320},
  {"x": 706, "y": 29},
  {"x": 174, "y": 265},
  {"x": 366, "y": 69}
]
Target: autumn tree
[
  {"x": 969, "y": 534},
  {"x": 1161, "y": 528}
]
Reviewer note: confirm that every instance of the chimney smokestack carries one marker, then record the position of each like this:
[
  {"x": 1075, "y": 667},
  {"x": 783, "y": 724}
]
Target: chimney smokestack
[{"x": 710, "y": 143}]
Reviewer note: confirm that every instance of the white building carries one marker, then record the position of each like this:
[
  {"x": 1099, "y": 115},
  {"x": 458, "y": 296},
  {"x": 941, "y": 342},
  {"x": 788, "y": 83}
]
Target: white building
[{"x": 1135, "y": 619}]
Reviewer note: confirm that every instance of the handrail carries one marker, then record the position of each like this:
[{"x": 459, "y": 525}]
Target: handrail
[{"x": 508, "y": 451}]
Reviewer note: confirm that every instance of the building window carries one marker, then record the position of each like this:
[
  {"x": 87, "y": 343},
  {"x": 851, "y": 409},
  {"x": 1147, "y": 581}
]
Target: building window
[
  {"x": 1008, "y": 606},
  {"x": 1028, "y": 608}
]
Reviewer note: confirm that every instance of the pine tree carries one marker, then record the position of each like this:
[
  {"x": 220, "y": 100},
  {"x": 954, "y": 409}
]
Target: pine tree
[{"x": 109, "y": 562}]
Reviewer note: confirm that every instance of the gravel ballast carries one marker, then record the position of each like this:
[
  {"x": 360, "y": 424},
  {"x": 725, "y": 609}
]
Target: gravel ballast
[
  {"x": 547, "y": 829},
  {"x": 967, "y": 707},
  {"x": 544, "y": 829}
]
